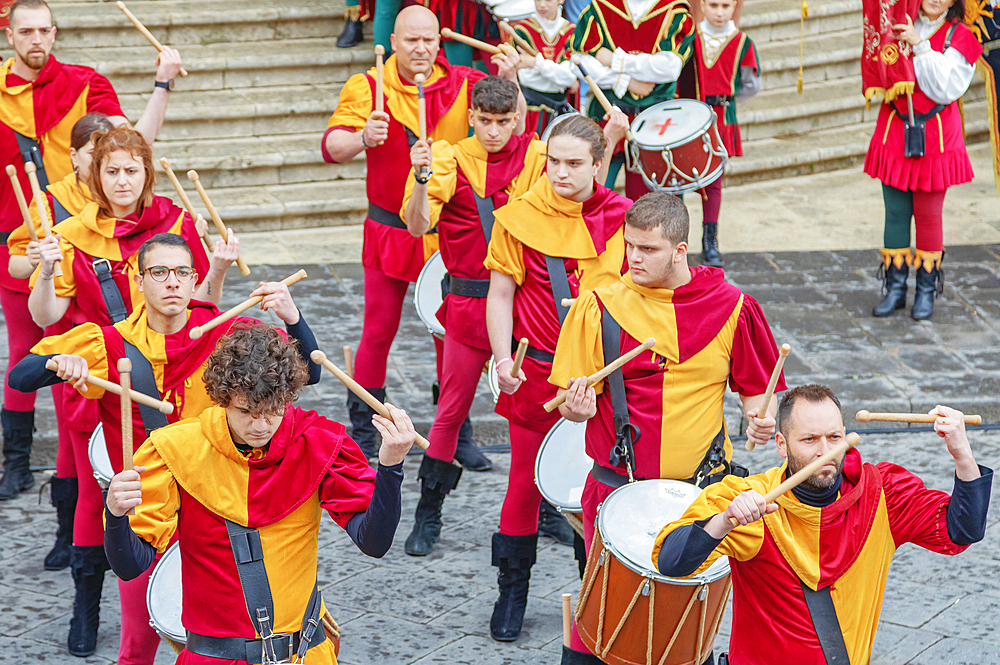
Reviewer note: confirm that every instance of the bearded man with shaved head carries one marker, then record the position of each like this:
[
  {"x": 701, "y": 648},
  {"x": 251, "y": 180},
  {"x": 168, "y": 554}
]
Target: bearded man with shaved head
[{"x": 392, "y": 258}]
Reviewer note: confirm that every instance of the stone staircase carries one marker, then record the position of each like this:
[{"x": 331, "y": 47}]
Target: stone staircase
[{"x": 265, "y": 77}]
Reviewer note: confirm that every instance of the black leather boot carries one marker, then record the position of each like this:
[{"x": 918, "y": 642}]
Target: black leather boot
[
  {"x": 362, "y": 430},
  {"x": 64, "y": 493},
  {"x": 710, "y": 255},
  {"x": 18, "y": 427},
  {"x": 88, "y": 565},
  {"x": 893, "y": 271},
  {"x": 572, "y": 657},
  {"x": 437, "y": 479},
  {"x": 353, "y": 32},
  {"x": 514, "y": 556},
  {"x": 467, "y": 453},
  {"x": 930, "y": 282},
  {"x": 551, "y": 523}
]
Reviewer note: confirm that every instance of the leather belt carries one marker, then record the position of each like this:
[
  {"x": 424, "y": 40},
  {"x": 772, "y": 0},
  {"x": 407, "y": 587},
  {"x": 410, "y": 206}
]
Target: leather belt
[
  {"x": 383, "y": 216},
  {"x": 4, "y": 236},
  {"x": 247, "y": 651},
  {"x": 470, "y": 288},
  {"x": 609, "y": 477},
  {"x": 533, "y": 353},
  {"x": 718, "y": 100}
]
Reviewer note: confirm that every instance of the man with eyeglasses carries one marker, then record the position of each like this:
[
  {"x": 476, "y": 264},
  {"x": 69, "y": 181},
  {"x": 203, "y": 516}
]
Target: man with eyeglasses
[{"x": 158, "y": 329}]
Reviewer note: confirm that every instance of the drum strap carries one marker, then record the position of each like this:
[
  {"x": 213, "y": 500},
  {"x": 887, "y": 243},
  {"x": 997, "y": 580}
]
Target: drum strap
[
  {"x": 484, "y": 204},
  {"x": 109, "y": 291},
  {"x": 824, "y": 618},
  {"x": 626, "y": 434},
  {"x": 30, "y": 152},
  {"x": 560, "y": 284},
  {"x": 59, "y": 212}
]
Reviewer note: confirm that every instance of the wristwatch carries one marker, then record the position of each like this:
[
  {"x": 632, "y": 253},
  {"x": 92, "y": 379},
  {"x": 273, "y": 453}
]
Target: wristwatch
[{"x": 166, "y": 85}]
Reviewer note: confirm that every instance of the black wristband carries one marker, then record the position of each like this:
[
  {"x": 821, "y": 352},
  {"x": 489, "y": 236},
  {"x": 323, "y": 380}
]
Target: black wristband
[
  {"x": 166, "y": 85},
  {"x": 423, "y": 179}
]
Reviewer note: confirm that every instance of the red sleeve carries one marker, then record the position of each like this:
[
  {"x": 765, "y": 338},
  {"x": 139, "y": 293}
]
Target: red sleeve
[
  {"x": 754, "y": 352},
  {"x": 102, "y": 98},
  {"x": 349, "y": 483},
  {"x": 916, "y": 514},
  {"x": 966, "y": 43}
]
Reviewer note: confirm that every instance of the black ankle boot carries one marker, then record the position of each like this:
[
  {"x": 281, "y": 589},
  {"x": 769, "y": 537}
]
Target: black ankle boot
[
  {"x": 362, "y": 430},
  {"x": 710, "y": 255},
  {"x": 88, "y": 565},
  {"x": 467, "y": 453},
  {"x": 514, "y": 556},
  {"x": 893, "y": 288},
  {"x": 18, "y": 427},
  {"x": 551, "y": 523},
  {"x": 437, "y": 479},
  {"x": 573, "y": 657},
  {"x": 930, "y": 282},
  {"x": 64, "y": 494},
  {"x": 352, "y": 34}
]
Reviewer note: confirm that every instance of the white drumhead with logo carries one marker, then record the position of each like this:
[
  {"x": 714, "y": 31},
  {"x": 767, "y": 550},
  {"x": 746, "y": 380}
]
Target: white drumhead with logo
[
  {"x": 427, "y": 296},
  {"x": 672, "y": 123}
]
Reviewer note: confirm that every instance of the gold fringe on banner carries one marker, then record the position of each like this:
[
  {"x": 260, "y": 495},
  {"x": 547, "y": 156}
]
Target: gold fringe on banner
[
  {"x": 802, "y": 41},
  {"x": 897, "y": 90},
  {"x": 993, "y": 110}
]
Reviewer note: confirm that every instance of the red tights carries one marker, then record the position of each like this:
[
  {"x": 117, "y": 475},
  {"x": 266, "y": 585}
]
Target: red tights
[
  {"x": 138, "y": 639},
  {"x": 519, "y": 514},
  {"x": 460, "y": 371},
  {"x": 594, "y": 493},
  {"x": 65, "y": 459},
  {"x": 22, "y": 334},
  {"x": 711, "y": 202},
  {"x": 88, "y": 522},
  {"x": 384, "y": 297}
]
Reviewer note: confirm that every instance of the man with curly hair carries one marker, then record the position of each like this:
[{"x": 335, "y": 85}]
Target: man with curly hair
[{"x": 244, "y": 485}]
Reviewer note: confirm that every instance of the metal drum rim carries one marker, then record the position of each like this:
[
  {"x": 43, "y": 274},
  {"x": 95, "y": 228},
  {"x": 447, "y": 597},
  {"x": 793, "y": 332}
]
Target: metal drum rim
[
  {"x": 101, "y": 479},
  {"x": 439, "y": 329},
  {"x": 149, "y": 591},
  {"x": 679, "y": 142},
  {"x": 689, "y": 187},
  {"x": 538, "y": 460},
  {"x": 694, "y": 580}
]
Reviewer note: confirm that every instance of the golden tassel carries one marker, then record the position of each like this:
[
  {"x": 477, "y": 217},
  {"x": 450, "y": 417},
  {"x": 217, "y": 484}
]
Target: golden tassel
[{"x": 802, "y": 41}]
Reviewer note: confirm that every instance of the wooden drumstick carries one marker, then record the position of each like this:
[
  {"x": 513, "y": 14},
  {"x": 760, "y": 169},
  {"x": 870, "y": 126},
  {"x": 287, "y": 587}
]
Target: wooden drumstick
[
  {"x": 771, "y": 385},
  {"x": 219, "y": 226},
  {"x": 43, "y": 212},
  {"x": 185, "y": 201},
  {"x": 146, "y": 33},
  {"x": 522, "y": 348},
  {"x": 379, "y": 96},
  {"x": 320, "y": 358},
  {"x": 21, "y": 203},
  {"x": 598, "y": 93},
  {"x": 803, "y": 474},
  {"x": 567, "y": 302},
  {"x": 602, "y": 374},
  {"x": 567, "y": 619},
  {"x": 198, "y": 331},
  {"x": 421, "y": 113},
  {"x": 165, "y": 408},
  {"x": 525, "y": 46},
  {"x": 348, "y": 361},
  {"x": 447, "y": 33},
  {"x": 926, "y": 418},
  {"x": 125, "y": 382}
]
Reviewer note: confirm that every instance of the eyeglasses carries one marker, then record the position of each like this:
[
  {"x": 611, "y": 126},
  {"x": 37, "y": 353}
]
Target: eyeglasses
[{"x": 160, "y": 273}]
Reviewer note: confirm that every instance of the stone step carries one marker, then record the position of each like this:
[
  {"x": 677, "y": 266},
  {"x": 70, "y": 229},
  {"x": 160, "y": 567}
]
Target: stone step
[
  {"x": 769, "y": 21},
  {"x": 229, "y": 65},
  {"x": 827, "y": 57}
]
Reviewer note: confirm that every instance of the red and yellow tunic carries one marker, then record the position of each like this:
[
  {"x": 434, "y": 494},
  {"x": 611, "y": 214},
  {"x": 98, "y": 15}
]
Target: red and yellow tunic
[
  {"x": 45, "y": 110},
  {"x": 554, "y": 49},
  {"x": 178, "y": 364},
  {"x": 71, "y": 193},
  {"x": 846, "y": 546},
  {"x": 388, "y": 246},
  {"x": 589, "y": 238},
  {"x": 461, "y": 172},
  {"x": 945, "y": 161},
  {"x": 718, "y": 75},
  {"x": 707, "y": 334},
  {"x": 195, "y": 479},
  {"x": 666, "y": 26}
]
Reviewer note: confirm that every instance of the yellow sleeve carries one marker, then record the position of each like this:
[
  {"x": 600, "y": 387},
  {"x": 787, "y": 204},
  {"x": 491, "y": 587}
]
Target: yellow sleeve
[
  {"x": 65, "y": 284},
  {"x": 441, "y": 186},
  {"x": 84, "y": 340},
  {"x": 742, "y": 543},
  {"x": 580, "y": 350},
  {"x": 504, "y": 254},
  {"x": 355, "y": 104},
  {"x": 155, "y": 519}
]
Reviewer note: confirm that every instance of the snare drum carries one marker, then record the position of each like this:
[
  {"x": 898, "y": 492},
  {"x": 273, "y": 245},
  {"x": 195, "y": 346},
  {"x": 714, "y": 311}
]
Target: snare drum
[
  {"x": 622, "y": 595},
  {"x": 97, "y": 451},
  {"x": 555, "y": 121},
  {"x": 164, "y": 599},
  {"x": 427, "y": 297},
  {"x": 677, "y": 147},
  {"x": 562, "y": 467},
  {"x": 510, "y": 10}
]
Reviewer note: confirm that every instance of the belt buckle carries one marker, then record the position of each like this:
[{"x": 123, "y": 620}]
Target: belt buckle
[{"x": 105, "y": 261}]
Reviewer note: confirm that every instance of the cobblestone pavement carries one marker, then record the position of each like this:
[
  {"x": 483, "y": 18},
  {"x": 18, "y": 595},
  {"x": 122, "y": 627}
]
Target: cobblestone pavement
[{"x": 436, "y": 609}]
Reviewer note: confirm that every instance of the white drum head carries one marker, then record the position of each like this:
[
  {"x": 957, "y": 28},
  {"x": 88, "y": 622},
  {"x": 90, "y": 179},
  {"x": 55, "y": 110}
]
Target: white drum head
[
  {"x": 555, "y": 121},
  {"x": 491, "y": 375},
  {"x": 511, "y": 10},
  {"x": 672, "y": 123},
  {"x": 97, "y": 451},
  {"x": 632, "y": 516},
  {"x": 427, "y": 297},
  {"x": 163, "y": 596},
  {"x": 562, "y": 465}
]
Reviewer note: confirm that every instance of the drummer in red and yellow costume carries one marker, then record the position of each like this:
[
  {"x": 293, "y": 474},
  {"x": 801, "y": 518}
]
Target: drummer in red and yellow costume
[
  {"x": 392, "y": 258},
  {"x": 708, "y": 334},
  {"x": 727, "y": 71},
  {"x": 570, "y": 223},
  {"x": 254, "y": 468},
  {"x": 40, "y": 100},
  {"x": 635, "y": 52},
  {"x": 779, "y": 554},
  {"x": 944, "y": 55},
  {"x": 159, "y": 329},
  {"x": 548, "y": 76}
]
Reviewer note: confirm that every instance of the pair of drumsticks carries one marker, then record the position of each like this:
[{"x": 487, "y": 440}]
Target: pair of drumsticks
[{"x": 43, "y": 213}]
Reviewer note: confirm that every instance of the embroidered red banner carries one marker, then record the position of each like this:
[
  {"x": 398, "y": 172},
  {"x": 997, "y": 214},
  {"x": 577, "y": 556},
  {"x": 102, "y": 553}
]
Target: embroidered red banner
[{"x": 886, "y": 64}]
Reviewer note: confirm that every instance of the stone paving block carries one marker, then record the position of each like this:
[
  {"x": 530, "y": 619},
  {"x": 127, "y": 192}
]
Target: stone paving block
[
  {"x": 17, "y": 651},
  {"x": 26, "y": 574},
  {"x": 485, "y": 651},
  {"x": 964, "y": 618},
  {"x": 925, "y": 361},
  {"x": 856, "y": 364},
  {"x": 974, "y": 571},
  {"x": 388, "y": 640},
  {"x": 912, "y": 604},
  {"x": 896, "y": 330},
  {"x": 898, "y": 645},
  {"x": 25, "y": 610},
  {"x": 332, "y": 568},
  {"x": 959, "y": 651},
  {"x": 542, "y": 619}
]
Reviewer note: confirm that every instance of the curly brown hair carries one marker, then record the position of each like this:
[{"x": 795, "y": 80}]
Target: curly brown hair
[{"x": 257, "y": 363}]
